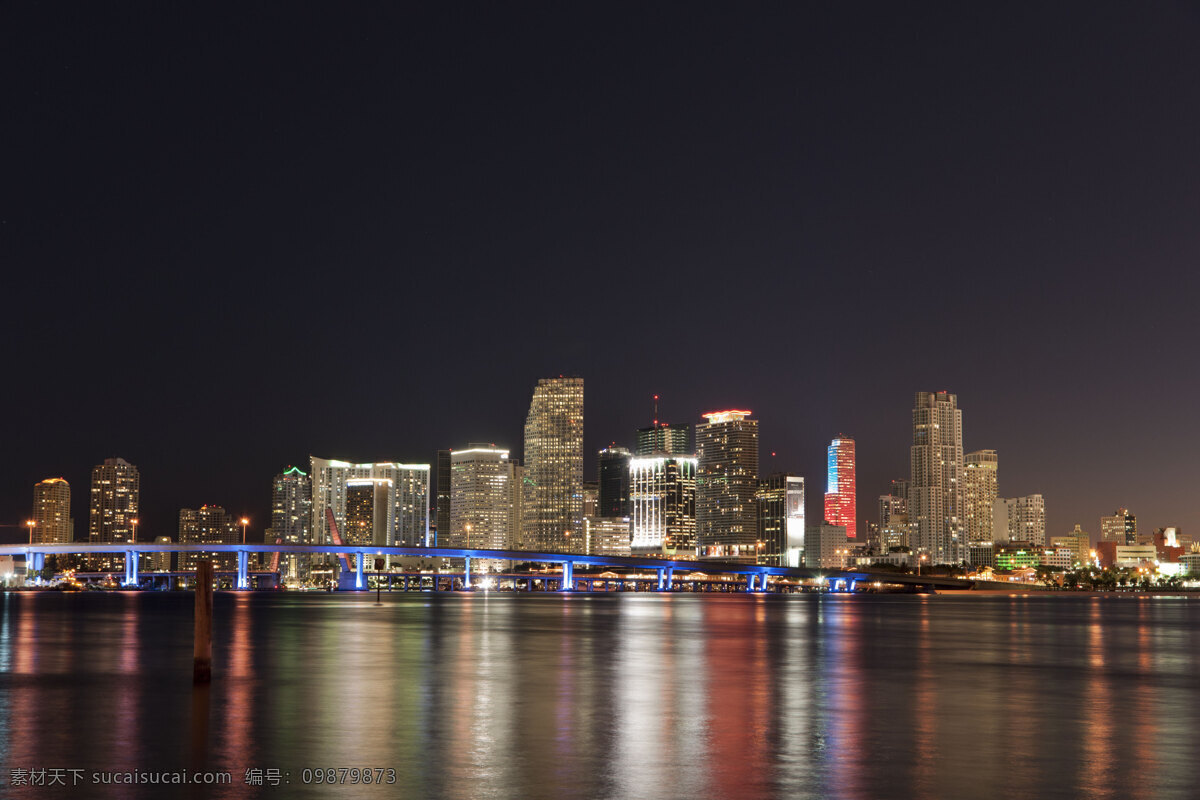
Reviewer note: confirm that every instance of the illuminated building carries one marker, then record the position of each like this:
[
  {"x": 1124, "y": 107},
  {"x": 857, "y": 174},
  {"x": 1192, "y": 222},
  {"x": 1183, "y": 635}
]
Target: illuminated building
[
  {"x": 826, "y": 547},
  {"x": 1121, "y": 527},
  {"x": 1020, "y": 519},
  {"x": 726, "y": 481},
  {"x": 485, "y": 499},
  {"x": 367, "y": 511},
  {"x": 780, "y": 499},
  {"x": 670, "y": 439},
  {"x": 893, "y": 517},
  {"x": 553, "y": 499},
  {"x": 613, "y": 463},
  {"x": 1016, "y": 555},
  {"x": 840, "y": 506},
  {"x": 607, "y": 536},
  {"x": 934, "y": 491},
  {"x": 52, "y": 512},
  {"x": 662, "y": 494},
  {"x": 443, "y": 492},
  {"x": 407, "y": 504},
  {"x": 591, "y": 498},
  {"x": 114, "y": 502},
  {"x": 207, "y": 525},
  {"x": 291, "y": 517},
  {"x": 1078, "y": 542},
  {"x": 161, "y": 562},
  {"x": 979, "y": 492}
]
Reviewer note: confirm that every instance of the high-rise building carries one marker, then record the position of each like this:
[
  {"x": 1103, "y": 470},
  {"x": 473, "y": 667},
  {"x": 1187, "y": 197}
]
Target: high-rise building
[
  {"x": 52, "y": 512},
  {"x": 553, "y": 501},
  {"x": 979, "y": 492},
  {"x": 291, "y": 517},
  {"x": 162, "y": 562},
  {"x": 826, "y": 547},
  {"x": 113, "y": 508},
  {"x": 607, "y": 536},
  {"x": 207, "y": 525},
  {"x": 934, "y": 491},
  {"x": 368, "y": 511},
  {"x": 485, "y": 499},
  {"x": 662, "y": 492},
  {"x": 613, "y": 463},
  {"x": 669, "y": 439},
  {"x": 1079, "y": 543},
  {"x": 1020, "y": 519},
  {"x": 893, "y": 517},
  {"x": 1121, "y": 528},
  {"x": 840, "y": 506},
  {"x": 443, "y": 492},
  {"x": 726, "y": 482},
  {"x": 780, "y": 499},
  {"x": 407, "y": 502}
]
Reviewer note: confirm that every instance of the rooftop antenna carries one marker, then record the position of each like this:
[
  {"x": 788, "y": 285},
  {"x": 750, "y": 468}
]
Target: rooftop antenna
[{"x": 656, "y": 411}]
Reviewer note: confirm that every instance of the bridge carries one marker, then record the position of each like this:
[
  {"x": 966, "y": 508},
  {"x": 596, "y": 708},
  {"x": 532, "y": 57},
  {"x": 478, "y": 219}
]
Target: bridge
[{"x": 756, "y": 576}]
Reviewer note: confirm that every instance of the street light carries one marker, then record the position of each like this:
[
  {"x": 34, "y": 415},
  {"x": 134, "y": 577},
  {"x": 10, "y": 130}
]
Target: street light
[
  {"x": 30, "y": 523},
  {"x": 245, "y": 522},
  {"x": 134, "y": 523},
  {"x": 919, "y": 560},
  {"x": 468, "y": 536}
]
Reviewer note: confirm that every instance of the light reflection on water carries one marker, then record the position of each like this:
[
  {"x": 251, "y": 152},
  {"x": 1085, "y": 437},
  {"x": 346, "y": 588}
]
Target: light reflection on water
[{"x": 639, "y": 695}]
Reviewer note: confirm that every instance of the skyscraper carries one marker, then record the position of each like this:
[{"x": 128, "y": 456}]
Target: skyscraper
[
  {"x": 291, "y": 517},
  {"x": 1020, "y": 519},
  {"x": 840, "y": 506},
  {"x": 1121, "y": 528},
  {"x": 485, "y": 492},
  {"x": 407, "y": 504},
  {"x": 668, "y": 439},
  {"x": 780, "y": 499},
  {"x": 613, "y": 466},
  {"x": 662, "y": 491},
  {"x": 726, "y": 482},
  {"x": 893, "y": 517},
  {"x": 207, "y": 525},
  {"x": 553, "y": 501},
  {"x": 368, "y": 511},
  {"x": 934, "y": 492},
  {"x": 115, "y": 493},
  {"x": 979, "y": 492},
  {"x": 443, "y": 492},
  {"x": 52, "y": 512}
]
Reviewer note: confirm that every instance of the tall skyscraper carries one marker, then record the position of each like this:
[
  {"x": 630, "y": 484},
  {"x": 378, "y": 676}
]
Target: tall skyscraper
[
  {"x": 1121, "y": 528},
  {"x": 207, "y": 525},
  {"x": 979, "y": 493},
  {"x": 893, "y": 517},
  {"x": 485, "y": 498},
  {"x": 291, "y": 517},
  {"x": 1020, "y": 519},
  {"x": 934, "y": 492},
  {"x": 613, "y": 464},
  {"x": 116, "y": 487},
  {"x": 662, "y": 491},
  {"x": 368, "y": 511},
  {"x": 52, "y": 512},
  {"x": 443, "y": 492},
  {"x": 407, "y": 503},
  {"x": 726, "y": 482},
  {"x": 840, "y": 505},
  {"x": 553, "y": 501},
  {"x": 780, "y": 499},
  {"x": 667, "y": 439}
]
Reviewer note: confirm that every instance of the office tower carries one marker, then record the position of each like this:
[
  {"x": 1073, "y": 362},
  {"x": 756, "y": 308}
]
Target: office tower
[
  {"x": 826, "y": 547},
  {"x": 934, "y": 491},
  {"x": 671, "y": 440},
  {"x": 613, "y": 463},
  {"x": 161, "y": 562},
  {"x": 591, "y": 498},
  {"x": 1121, "y": 528},
  {"x": 979, "y": 491},
  {"x": 840, "y": 506},
  {"x": 553, "y": 501},
  {"x": 368, "y": 509},
  {"x": 291, "y": 507},
  {"x": 52, "y": 522},
  {"x": 607, "y": 536},
  {"x": 114, "y": 502},
  {"x": 484, "y": 499},
  {"x": 1020, "y": 519},
  {"x": 726, "y": 480},
  {"x": 1079, "y": 542},
  {"x": 662, "y": 496},
  {"x": 893, "y": 517},
  {"x": 407, "y": 504},
  {"x": 780, "y": 499},
  {"x": 207, "y": 525},
  {"x": 443, "y": 492}
]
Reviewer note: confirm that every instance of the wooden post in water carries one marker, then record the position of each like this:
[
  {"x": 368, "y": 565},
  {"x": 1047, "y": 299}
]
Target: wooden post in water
[{"x": 202, "y": 654}]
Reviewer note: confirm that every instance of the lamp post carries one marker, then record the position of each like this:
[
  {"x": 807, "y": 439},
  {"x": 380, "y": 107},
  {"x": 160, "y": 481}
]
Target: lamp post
[
  {"x": 134, "y": 523},
  {"x": 468, "y": 536},
  {"x": 245, "y": 522},
  {"x": 30, "y": 523},
  {"x": 919, "y": 560}
]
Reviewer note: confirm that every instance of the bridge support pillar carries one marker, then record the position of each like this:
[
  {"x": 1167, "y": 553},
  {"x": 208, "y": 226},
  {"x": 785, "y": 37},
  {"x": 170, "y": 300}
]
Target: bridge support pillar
[
  {"x": 568, "y": 577},
  {"x": 670, "y": 579},
  {"x": 750, "y": 581},
  {"x": 467, "y": 573},
  {"x": 360, "y": 578},
  {"x": 131, "y": 562},
  {"x": 661, "y": 575},
  {"x": 243, "y": 573}
]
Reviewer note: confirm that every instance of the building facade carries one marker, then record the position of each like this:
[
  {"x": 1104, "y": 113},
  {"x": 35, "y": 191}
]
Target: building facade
[
  {"x": 934, "y": 492},
  {"x": 207, "y": 525},
  {"x": 826, "y": 547},
  {"x": 662, "y": 496},
  {"x": 841, "y": 507},
  {"x": 553, "y": 497},
  {"x": 613, "y": 467},
  {"x": 979, "y": 492},
  {"x": 485, "y": 499},
  {"x": 407, "y": 505},
  {"x": 1121, "y": 528},
  {"x": 114, "y": 500},
  {"x": 726, "y": 482},
  {"x": 781, "y": 530},
  {"x": 1020, "y": 519},
  {"x": 674, "y": 439},
  {"x": 52, "y": 523}
]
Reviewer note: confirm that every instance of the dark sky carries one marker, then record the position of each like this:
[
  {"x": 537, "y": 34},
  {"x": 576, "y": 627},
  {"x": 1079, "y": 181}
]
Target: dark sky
[{"x": 234, "y": 237}]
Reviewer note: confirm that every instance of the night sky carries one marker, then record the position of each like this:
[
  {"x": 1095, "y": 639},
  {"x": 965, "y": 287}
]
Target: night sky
[{"x": 234, "y": 238}]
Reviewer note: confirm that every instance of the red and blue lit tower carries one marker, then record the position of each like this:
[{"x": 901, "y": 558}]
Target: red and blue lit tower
[{"x": 840, "y": 508}]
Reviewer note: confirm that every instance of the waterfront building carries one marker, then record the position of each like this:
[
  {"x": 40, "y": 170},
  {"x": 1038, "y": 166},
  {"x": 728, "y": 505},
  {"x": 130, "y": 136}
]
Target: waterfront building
[
  {"x": 161, "y": 562},
  {"x": 781, "y": 528},
  {"x": 979, "y": 493},
  {"x": 841, "y": 507},
  {"x": 553, "y": 496},
  {"x": 291, "y": 518},
  {"x": 662, "y": 495},
  {"x": 1014, "y": 555},
  {"x": 207, "y": 525},
  {"x": 726, "y": 482},
  {"x": 1020, "y": 519},
  {"x": 443, "y": 492},
  {"x": 1121, "y": 527},
  {"x": 368, "y": 509},
  {"x": 1136, "y": 555},
  {"x": 407, "y": 511},
  {"x": 114, "y": 500},
  {"x": 52, "y": 523},
  {"x": 591, "y": 498},
  {"x": 674, "y": 439},
  {"x": 613, "y": 467},
  {"x": 934, "y": 492},
  {"x": 893, "y": 517},
  {"x": 485, "y": 497},
  {"x": 1078, "y": 542},
  {"x": 608, "y": 536},
  {"x": 826, "y": 547},
  {"x": 981, "y": 554}
]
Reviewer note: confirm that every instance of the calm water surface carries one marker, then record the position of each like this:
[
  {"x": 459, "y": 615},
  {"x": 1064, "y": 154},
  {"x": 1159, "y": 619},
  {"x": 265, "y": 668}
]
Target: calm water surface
[{"x": 623, "y": 696}]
